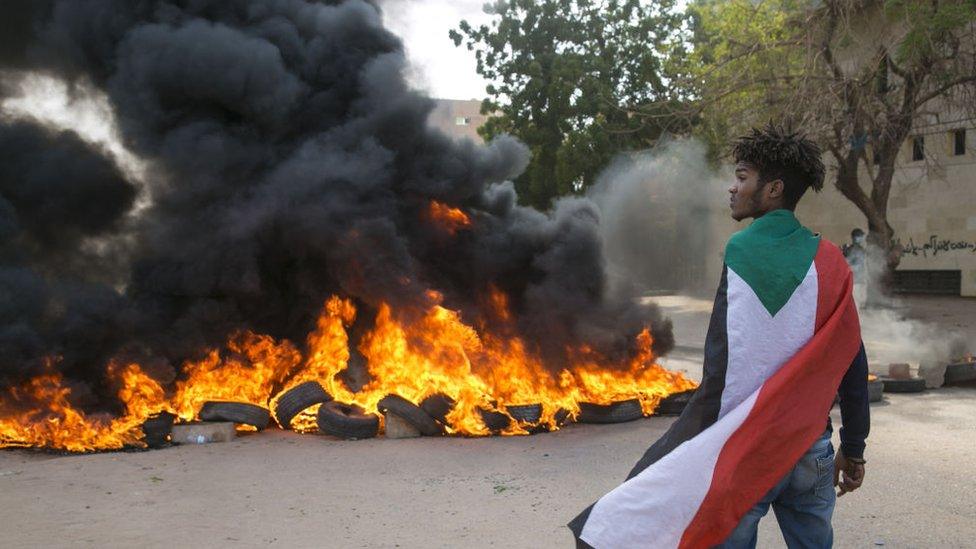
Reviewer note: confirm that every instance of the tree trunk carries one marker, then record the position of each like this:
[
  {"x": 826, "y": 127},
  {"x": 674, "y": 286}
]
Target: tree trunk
[{"x": 883, "y": 254}]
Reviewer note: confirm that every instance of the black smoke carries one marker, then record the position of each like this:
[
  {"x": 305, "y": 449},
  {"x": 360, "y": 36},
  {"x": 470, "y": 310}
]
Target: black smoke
[
  {"x": 287, "y": 161},
  {"x": 57, "y": 194}
]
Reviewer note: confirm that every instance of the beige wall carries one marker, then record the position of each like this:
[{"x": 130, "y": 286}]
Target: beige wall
[{"x": 458, "y": 118}]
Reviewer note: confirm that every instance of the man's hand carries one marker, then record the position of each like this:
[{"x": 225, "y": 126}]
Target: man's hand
[{"x": 853, "y": 474}]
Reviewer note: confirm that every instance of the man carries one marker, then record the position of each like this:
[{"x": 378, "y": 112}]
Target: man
[
  {"x": 856, "y": 255},
  {"x": 783, "y": 338}
]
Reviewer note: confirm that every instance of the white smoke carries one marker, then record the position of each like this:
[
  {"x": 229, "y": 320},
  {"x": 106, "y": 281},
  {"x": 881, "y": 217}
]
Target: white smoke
[
  {"x": 890, "y": 334},
  {"x": 657, "y": 215}
]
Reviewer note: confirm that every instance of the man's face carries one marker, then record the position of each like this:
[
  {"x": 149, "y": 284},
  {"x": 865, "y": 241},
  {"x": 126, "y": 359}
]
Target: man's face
[{"x": 746, "y": 193}]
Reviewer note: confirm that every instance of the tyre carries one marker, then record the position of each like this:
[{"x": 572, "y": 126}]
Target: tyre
[
  {"x": 910, "y": 385},
  {"x": 157, "y": 428},
  {"x": 960, "y": 372},
  {"x": 298, "y": 398},
  {"x": 525, "y": 413},
  {"x": 562, "y": 417},
  {"x": 495, "y": 421},
  {"x": 347, "y": 421},
  {"x": 674, "y": 404},
  {"x": 438, "y": 406},
  {"x": 412, "y": 414},
  {"x": 237, "y": 412},
  {"x": 617, "y": 412},
  {"x": 875, "y": 390}
]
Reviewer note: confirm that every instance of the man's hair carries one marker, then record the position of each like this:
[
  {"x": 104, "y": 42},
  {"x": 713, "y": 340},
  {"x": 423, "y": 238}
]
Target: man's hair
[
  {"x": 857, "y": 232},
  {"x": 780, "y": 153}
]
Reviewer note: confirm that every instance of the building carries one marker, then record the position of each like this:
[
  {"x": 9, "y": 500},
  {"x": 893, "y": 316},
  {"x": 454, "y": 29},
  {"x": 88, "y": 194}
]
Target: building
[
  {"x": 458, "y": 118},
  {"x": 932, "y": 209},
  {"x": 932, "y": 205}
]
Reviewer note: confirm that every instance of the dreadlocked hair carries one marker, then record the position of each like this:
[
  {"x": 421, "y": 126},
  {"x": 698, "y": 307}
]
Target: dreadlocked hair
[{"x": 781, "y": 153}]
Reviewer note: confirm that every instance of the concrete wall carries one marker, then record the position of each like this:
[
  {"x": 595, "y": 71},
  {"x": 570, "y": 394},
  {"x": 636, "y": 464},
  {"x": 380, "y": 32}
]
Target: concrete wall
[{"x": 458, "y": 118}]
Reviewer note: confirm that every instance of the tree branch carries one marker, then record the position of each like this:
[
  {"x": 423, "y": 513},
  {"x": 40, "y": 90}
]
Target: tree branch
[{"x": 945, "y": 88}]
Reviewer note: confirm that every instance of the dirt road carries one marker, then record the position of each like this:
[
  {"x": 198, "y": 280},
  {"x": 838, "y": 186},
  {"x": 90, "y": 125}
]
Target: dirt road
[{"x": 279, "y": 489}]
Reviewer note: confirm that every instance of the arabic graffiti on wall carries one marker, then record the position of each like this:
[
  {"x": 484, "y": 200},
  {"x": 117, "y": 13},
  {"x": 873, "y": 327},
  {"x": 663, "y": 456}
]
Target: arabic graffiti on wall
[{"x": 935, "y": 246}]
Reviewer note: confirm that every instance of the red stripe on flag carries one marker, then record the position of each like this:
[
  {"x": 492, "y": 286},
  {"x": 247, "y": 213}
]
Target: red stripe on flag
[
  {"x": 789, "y": 413},
  {"x": 833, "y": 277}
]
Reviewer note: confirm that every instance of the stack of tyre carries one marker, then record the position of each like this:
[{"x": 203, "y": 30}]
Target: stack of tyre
[
  {"x": 350, "y": 421},
  {"x": 429, "y": 418}
]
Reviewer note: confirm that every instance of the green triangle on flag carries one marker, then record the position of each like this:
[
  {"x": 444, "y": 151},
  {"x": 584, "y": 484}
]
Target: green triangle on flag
[{"x": 772, "y": 255}]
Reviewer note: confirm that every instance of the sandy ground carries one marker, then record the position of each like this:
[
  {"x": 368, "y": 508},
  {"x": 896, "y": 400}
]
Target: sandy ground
[{"x": 285, "y": 490}]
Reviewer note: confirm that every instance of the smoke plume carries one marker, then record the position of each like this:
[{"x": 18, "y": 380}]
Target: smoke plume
[
  {"x": 656, "y": 211},
  {"x": 890, "y": 333},
  {"x": 286, "y": 160}
]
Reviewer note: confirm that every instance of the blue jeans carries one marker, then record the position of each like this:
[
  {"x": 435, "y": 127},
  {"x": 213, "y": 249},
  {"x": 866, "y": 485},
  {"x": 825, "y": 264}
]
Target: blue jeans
[{"x": 803, "y": 502}]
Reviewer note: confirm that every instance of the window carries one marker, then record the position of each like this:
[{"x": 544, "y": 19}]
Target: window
[
  {"x": 462, "y": 121},
  {"x": 918, "y": 148},
  {"x": 927, "y": 282},
  {"x": 959, "y": 142}
]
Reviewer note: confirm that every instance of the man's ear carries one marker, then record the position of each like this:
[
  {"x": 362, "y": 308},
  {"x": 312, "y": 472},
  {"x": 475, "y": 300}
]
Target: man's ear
[{"x": 776, "y": 188}]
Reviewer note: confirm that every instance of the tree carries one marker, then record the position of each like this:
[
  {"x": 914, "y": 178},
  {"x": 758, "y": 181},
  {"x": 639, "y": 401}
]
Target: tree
[
  {"x": 854, "y": 74},
  {"x": 567, "y": 78}
]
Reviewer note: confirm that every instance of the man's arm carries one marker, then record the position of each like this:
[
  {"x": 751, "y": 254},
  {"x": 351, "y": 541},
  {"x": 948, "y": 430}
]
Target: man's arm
[{"x": 855, "y": 424}]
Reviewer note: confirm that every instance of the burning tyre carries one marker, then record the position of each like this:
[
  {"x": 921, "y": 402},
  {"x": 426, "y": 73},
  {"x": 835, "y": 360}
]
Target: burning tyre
[
  {"x": 616, "y": 412},
  {"x": 438, "y": 406},
  {"x": 157, "y": 428},
  {"x": 412, "y": 414},
  {"x": 347, "y": 421},
  {"x": 525, "y": 413},
  {"x": 297, "y": 399},
  {"x": 674, "y": 404},
  {"x": 236, "y": 412},
  {"x": 562, "y": 417},
  {"x": 494, "y": 420}
]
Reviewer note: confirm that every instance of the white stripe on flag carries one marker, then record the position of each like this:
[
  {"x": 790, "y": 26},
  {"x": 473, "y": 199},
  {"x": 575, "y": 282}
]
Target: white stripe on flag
[
  {"x": 759, "y": 343},
  {"x": 654, "y": 508}
]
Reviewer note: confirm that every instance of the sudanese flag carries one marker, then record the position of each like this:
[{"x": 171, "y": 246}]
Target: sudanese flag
[{"x": 783, "y": 332}]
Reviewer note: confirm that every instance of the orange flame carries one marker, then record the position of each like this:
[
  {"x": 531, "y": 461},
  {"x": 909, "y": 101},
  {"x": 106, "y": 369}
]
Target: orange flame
[
  {"x": 448, "y": 218},
  {"x": 39, "y": 413},
  {"x": 248, "y": 373},
  {"x": 437, "y": 352}
]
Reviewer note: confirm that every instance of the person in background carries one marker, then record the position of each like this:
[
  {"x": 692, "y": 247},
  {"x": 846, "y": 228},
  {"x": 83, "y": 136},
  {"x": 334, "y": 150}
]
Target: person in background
[{"x": 857, "y": 257}]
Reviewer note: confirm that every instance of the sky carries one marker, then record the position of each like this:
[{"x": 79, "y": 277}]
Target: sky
[{"x": 437, "y": 66}]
